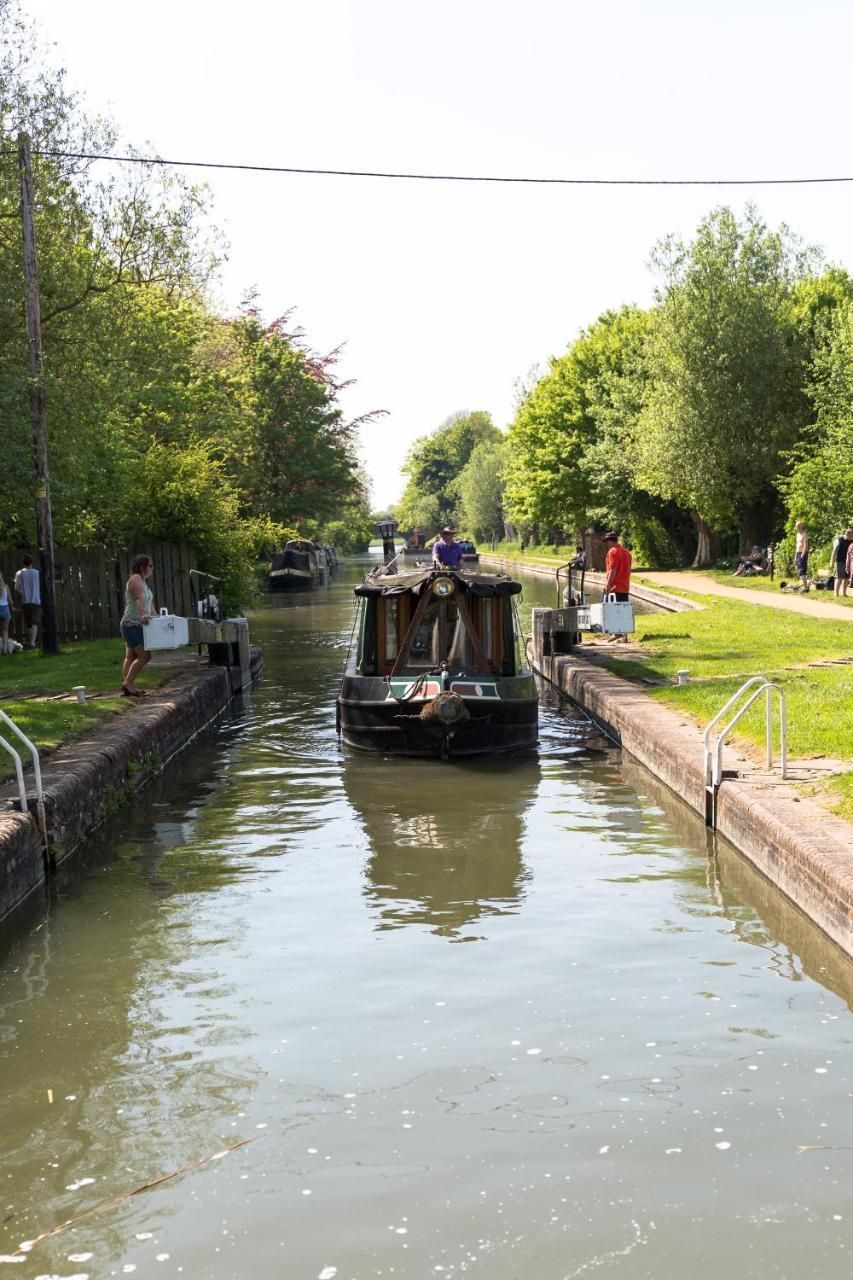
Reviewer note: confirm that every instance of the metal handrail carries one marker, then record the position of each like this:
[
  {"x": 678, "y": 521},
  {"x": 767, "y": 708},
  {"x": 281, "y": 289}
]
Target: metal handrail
[
  {"x": 19, "y": 771},
  {"x": 714, "y": 758},
  {"x": 33, "y": 750}
]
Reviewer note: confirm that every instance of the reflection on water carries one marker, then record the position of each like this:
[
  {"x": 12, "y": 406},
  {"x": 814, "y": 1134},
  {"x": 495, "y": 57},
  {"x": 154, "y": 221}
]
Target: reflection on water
[
  {"x": 444, "y": 852},
  {"x": 639, "y": 1068}
]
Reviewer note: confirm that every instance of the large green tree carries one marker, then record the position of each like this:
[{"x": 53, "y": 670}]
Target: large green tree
[
  {"x": 725, "y": 397},
  {"x": 819, "y": 488},
  {"x": 571, "y": 460},
  {"x": 480, "y": 487},
  {"x": 433, "y": 466}
]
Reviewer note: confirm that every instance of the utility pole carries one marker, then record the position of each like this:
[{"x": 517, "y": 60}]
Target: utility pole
[{"x": 44, "y": 520}]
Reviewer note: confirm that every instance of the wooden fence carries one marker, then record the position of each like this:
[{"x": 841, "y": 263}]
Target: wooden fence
[{"x": 90, "y": 586}]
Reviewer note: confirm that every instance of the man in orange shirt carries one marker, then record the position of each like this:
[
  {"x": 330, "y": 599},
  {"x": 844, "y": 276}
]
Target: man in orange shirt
[{"x": 618, "y": 564}]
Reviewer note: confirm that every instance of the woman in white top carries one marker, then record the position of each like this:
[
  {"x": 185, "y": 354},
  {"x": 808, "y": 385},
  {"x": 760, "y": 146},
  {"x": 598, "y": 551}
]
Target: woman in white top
[
  {"x": 801, "y": 554},
  {"x": 5, "y": 615}
]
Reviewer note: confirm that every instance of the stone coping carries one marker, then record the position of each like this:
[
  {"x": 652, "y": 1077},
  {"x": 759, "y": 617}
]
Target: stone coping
[{"x": 801, "y": 848}]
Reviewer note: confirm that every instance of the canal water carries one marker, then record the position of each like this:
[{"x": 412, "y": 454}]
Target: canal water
[{"x": 514, "y": 1019}]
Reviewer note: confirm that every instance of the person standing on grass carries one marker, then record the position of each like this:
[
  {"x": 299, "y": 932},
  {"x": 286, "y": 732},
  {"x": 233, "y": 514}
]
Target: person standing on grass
[
  {"x": 801, "y": 554},
  {"x": 618, "y": 566},
  {"x": 138, "y": 610},
  {"x": 849, "y": 565},
  {"x": 5, "y": 615},
  {"x": 840, "y": 555},
  {"x": 28, "y": 587}
]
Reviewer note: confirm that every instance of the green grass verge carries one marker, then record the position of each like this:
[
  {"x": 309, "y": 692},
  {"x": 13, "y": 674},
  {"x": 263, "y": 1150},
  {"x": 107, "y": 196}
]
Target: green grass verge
[
  {"x": 764, "y": 584},
  {"x": 539, "y": 554},
  {"x": 94, "y": 663},
  {"x": 729, "y": 641}
]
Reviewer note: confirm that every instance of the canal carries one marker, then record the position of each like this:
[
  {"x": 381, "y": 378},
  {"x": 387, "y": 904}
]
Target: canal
[{"x": 513, "y": 1019}]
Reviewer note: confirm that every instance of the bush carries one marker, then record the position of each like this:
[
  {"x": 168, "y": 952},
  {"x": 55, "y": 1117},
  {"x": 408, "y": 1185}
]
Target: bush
[{"x": 185, "y": 495}]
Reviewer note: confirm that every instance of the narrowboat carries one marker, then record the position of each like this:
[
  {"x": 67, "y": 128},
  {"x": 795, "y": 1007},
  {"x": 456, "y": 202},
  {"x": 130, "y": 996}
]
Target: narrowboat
[
  {"x": 437, "y": 666},
  {"x": 294, "y": 568}
]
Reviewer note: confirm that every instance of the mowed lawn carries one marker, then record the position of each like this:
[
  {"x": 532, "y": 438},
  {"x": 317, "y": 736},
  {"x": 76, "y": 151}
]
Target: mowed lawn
[
  {"x": 48, "y": 722},
  {"x": 727, "y": 642},
  {"x": 758, "y": 583}
]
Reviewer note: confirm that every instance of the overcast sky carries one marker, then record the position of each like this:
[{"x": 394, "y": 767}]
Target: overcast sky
[{"x": 447, "y": 293}]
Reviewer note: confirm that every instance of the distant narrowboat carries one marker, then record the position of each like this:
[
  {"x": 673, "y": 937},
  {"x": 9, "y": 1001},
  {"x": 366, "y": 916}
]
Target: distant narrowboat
[
  {"x": 437, "y": 667},
  {"x": 294, "y": 568}
]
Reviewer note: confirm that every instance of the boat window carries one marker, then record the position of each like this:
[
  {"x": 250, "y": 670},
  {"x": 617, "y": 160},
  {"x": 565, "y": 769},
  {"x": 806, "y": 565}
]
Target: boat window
[
  {"x": 423, "y": 651},
  {"x": 485, "y": 626},
  {"x": 460, "y": 658},
  {"x": 392, "y": 615},
  {"x": 367, "y": 655}
]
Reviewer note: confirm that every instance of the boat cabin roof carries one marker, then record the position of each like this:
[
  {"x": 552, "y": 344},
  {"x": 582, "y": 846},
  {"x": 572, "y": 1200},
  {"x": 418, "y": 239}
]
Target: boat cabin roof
[{"x": 474, "y": 584}]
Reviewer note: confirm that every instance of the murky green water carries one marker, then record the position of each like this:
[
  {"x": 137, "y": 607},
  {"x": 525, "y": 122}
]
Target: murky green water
[{"x": 503, "y": 1019}]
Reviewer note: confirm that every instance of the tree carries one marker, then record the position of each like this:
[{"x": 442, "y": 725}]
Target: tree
[
  {"x": 572, "y": 439},
  {"x": 725, "y": 393},
  {"x": 480, "y": 487},
  {"x": 433, "y": 465},
  {"x": 819, "y": 488}
]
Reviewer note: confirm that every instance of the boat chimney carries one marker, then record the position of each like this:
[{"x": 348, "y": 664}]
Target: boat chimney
[{"x": 387, "y": 529}]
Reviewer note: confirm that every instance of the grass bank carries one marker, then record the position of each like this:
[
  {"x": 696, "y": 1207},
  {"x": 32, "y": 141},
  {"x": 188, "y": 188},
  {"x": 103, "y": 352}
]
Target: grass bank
[
  {"x": 538, "y": 554},
  {"x": 725, "y": 577},
  {"x": 32, "y": 689},
  {"x": 727, "y": 642}
]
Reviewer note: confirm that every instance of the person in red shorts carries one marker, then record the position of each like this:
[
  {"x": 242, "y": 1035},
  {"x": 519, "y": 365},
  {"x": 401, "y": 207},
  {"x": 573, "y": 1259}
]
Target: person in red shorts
[{"x": 618, "y": 565}]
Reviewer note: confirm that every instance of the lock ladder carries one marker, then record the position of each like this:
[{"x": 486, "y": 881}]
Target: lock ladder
[{"x": 754, "y": 687}]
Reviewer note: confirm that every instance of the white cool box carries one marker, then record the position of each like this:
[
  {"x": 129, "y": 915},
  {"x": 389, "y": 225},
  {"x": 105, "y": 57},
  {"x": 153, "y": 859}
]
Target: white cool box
[
  {"x": 612, "y": 617},
  {"x": 166, "y": 631}
]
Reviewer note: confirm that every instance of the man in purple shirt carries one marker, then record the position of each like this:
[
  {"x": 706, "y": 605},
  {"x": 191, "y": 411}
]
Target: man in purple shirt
[{"x": 446, "y": 552}]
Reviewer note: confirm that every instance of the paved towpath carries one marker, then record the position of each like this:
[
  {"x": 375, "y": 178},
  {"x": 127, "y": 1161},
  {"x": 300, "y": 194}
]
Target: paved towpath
[{"x": 782, "y": 600}]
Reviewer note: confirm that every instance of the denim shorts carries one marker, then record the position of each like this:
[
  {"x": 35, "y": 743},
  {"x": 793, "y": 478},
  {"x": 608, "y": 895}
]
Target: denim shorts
[
  {"x": 5, "y": 613},
  {"x": 133, "y": 635}
]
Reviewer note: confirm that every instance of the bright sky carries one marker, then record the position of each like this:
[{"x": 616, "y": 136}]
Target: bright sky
[{"x": 447, "y": 293}]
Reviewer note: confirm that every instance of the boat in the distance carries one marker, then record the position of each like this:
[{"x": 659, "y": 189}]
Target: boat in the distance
[
  {"x": 297, "y": 567},
  {"x": 437, "y": 666}
]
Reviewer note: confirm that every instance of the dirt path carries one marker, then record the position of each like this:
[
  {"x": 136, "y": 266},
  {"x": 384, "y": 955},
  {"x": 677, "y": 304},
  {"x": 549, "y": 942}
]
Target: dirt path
[{"x": 784, "y": 600}]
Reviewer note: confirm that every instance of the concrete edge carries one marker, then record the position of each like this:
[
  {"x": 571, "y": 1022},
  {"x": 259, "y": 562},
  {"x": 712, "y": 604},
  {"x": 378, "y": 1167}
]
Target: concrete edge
[
  {"x": 89, "y": 779},
  {"x": 648, "y": 595},
  {"x": 802, "y": 849}
]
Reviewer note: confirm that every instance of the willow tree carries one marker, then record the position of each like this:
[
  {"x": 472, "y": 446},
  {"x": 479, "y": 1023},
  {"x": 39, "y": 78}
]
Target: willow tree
[{"x": 725, "y": 396}]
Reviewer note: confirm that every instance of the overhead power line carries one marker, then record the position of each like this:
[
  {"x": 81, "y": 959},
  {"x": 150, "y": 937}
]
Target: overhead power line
[{"x": 441, "y": 177}]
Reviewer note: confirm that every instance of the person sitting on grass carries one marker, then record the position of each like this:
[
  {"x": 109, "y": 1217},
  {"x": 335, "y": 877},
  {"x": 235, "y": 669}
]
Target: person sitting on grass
[
  {"x": 750, "y": 565},
  {"x": 138, "y": 609}
]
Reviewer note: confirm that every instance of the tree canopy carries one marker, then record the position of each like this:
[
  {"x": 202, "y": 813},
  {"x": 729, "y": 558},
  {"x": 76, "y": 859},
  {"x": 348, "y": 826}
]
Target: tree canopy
[
  {"x": 433, "y": 465},
  {"x": 149, "y": 390}
]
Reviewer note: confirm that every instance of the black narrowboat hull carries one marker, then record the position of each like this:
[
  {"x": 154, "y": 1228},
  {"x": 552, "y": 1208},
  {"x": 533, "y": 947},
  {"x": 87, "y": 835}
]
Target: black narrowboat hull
[
  {"x": 371, "y": 721},
  {"x": 291, "y": 580}
]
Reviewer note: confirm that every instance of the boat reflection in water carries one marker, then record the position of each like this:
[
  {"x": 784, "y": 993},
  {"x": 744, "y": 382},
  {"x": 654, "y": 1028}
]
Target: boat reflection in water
[{"x": 442, "y": 856}]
